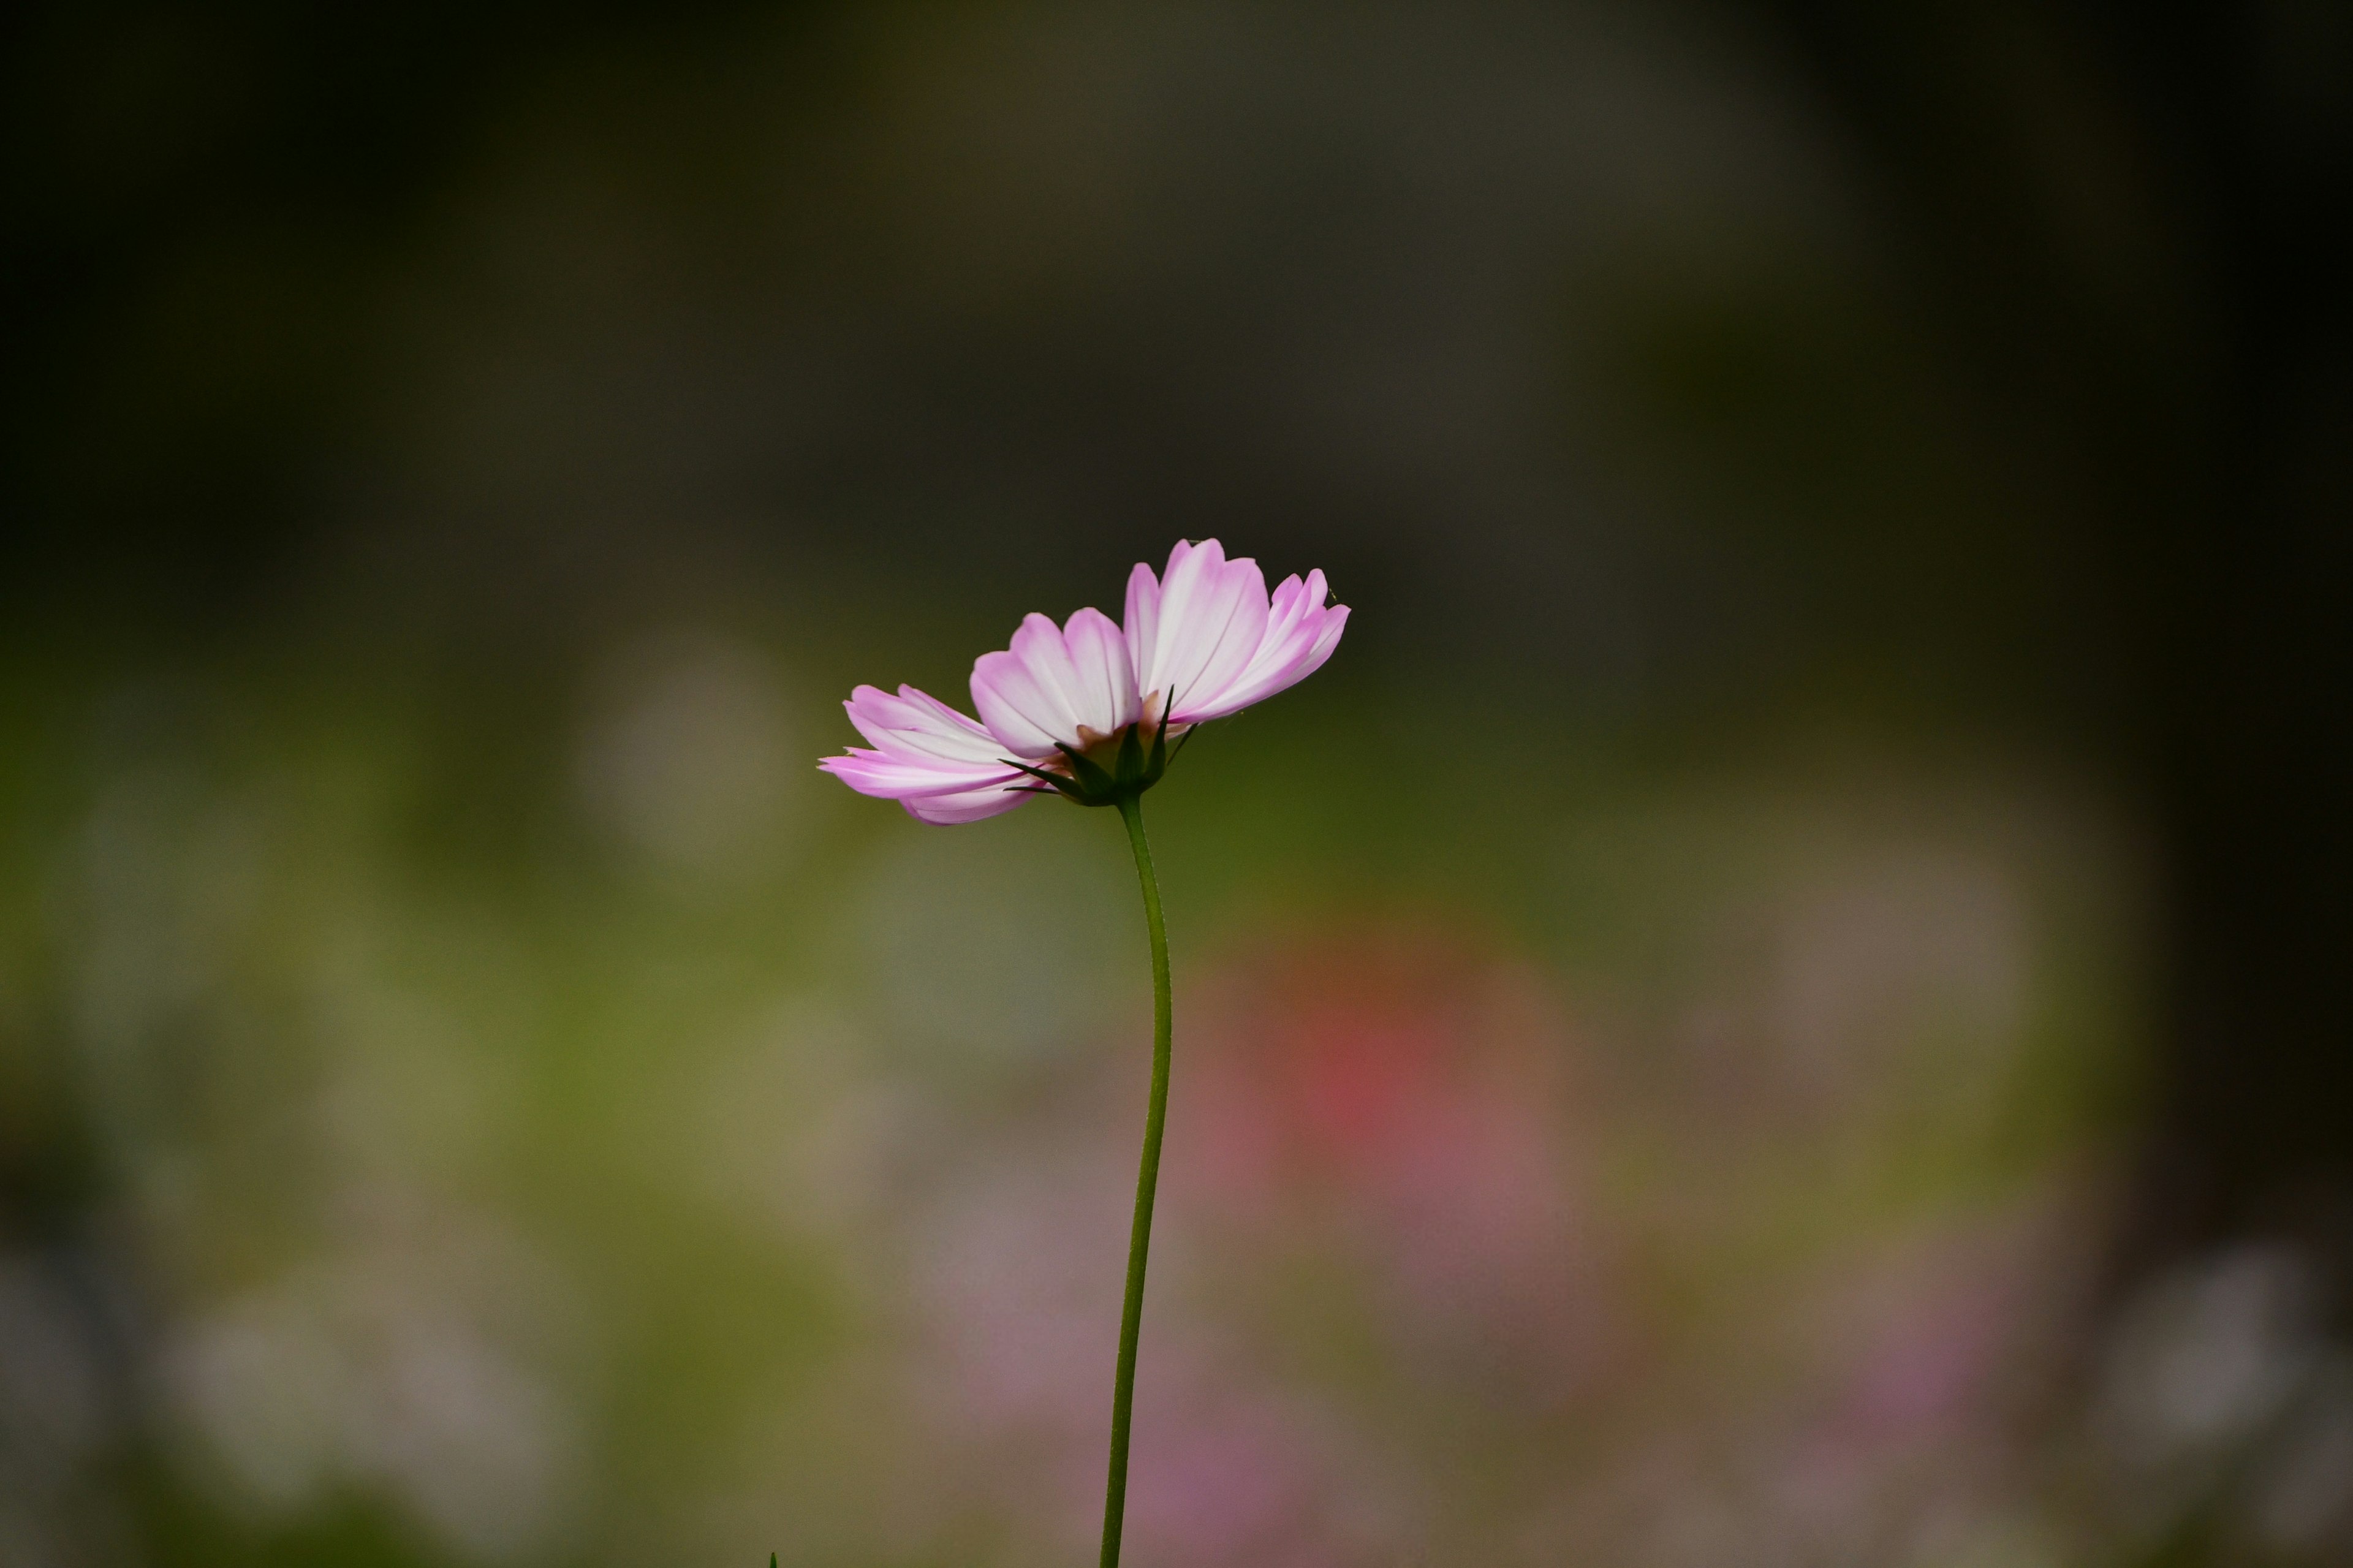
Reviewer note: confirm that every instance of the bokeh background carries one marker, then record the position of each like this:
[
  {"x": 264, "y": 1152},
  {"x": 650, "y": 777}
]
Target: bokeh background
[{"x": 1782, "y": 1001}]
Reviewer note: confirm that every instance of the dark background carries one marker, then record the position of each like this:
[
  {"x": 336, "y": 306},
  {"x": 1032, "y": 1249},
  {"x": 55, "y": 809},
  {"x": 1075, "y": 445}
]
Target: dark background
[{"x": 1864, "y": 405}]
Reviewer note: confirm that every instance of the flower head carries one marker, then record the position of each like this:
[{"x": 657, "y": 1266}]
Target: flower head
[{"x": 1087, "y": 708}]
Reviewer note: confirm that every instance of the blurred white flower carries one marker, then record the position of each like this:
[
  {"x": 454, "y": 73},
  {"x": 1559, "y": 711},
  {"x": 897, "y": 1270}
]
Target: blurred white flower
[
  {"x": 689, "y": 757},
  {"x": 2207, "y": 1356},
  {"x": 407, "y": 1370}
]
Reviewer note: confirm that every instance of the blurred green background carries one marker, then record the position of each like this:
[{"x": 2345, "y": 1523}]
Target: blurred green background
[{"x": 1781, "y": 1001}]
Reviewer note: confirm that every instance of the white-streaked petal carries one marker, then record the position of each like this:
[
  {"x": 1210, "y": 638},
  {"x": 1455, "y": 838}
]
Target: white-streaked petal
[
  {"x": 1191, "y": 568},
  {"x": 914, "y": 725},
  {"x": 1053, "y": 683},
  {"x": 968, "y": 806},
  {"x": 1297, "y": 614},
  {"x": 896, "y": 778},
  {"x": 1327, "y": 637},
  {"x": 1300, "y": 634},
  {"x": 1105, "y": 700},
  {"x": 1141, "y": 627},
  {"x": 1238, "y": 624},
  {"x": 1023, "y": 692},
  {"x": 1211, "y": 616},
  {"x": 1150, "y": 636}
]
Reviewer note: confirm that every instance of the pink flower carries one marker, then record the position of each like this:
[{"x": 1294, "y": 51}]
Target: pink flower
[{"x": 1087, "y": 708}]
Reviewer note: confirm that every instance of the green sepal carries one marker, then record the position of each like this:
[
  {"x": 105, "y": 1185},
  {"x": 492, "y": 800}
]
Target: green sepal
[
  {"x": 1158, "y": 762},
  {"x": 1135, "y": 768},
  {"x": 1060, "y": 784},
  {"x": 1097, "y": 787}
]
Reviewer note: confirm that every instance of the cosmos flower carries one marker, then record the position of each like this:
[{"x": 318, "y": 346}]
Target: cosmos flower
[{"x": 1087, "y": 709}]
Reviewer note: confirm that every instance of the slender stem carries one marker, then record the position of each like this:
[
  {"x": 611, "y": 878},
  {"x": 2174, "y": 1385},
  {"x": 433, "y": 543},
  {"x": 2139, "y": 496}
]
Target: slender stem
[{"x": 1148, "y": 1183}]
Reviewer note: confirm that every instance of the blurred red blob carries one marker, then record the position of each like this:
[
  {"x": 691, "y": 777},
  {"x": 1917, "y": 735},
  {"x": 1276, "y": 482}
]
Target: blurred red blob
[{"x": 1404, "y": 1093}]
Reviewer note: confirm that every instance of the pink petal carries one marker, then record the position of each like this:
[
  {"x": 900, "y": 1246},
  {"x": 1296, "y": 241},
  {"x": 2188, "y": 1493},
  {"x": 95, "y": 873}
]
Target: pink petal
[
  {"x": 1211, "y": 615},
  {"x": 896, "y": 778},
  {"x": 1106, "y": 700},
  {"x": 1143, "y": 618},
  {"x": 1335, "y": 621},
  {"x": 1019, "y": 690},
  {"x": 1300, "y": 634},
  {"x": 967, "y": 806},
  {"x": 1051, "y": 684},
  {"x": 914, "y": 725},
  {"x": 1292, "y": 625}
]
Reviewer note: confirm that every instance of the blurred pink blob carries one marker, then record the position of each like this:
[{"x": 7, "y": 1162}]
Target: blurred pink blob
[
  {"x": 1231, "y": 1467},
  {"x": 1408, "y": 1091},
  {"x": 1921, "y": 1355},
  {"x": 1232, "y": 1471}
]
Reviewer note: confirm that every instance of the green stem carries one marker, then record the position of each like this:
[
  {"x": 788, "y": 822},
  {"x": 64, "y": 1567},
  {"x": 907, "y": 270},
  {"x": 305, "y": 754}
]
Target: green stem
[{"x": 1148, "y": 1183}]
